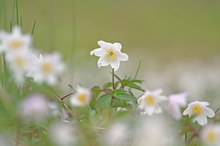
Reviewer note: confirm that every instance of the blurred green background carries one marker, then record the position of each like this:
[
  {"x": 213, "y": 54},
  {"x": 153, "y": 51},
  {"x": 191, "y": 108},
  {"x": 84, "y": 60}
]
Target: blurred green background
[{"x": 164, "y": 31}]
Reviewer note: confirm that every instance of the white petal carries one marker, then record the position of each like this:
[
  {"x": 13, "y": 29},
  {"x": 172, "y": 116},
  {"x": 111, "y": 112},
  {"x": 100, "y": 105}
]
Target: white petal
[
  {"x": 115, "y": 65},
  {"x": 104, "y": 44},
  {"x": 16, "y": 30},
  {"x": 117, "y": 46},
  {"x": 186, "y": 111},
  {"x": 158, "y": 109},
  {"x": 122, "y": 56},
  {"x": 98, "y": 52},
  {"x": 162, "y": 98},
  {"x": 208, "y": 112},
  {"x": 204, "y": 103},
  {"x": 157, "y": 91},
  {"x": 202, "y": 120},
  {"x": 149, "y": 110},
  {"x": 102, "y": 62}
]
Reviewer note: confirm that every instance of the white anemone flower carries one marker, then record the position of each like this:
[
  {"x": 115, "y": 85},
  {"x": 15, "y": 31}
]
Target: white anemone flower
[
  {"x": 150, "y": 102},
  {"x": 15, "y": 41},
  {"x": 19, "y": 63},
  {"x": 82, "y": 97},
  {"x": 199, "y": 111},
  {"x": 175, "y": 102},
  {"x": 210, "y": 135},
  {"x": 46, "y": 68},
  {"x": 110, "y": 54}
]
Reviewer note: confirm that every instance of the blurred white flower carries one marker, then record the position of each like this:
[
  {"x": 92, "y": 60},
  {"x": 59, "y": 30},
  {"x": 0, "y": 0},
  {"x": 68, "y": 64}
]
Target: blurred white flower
[
  {"x": 199, "y": 111},
  {"x": 82, "y": 97},
  {"x": 63, "y": 134},
  {"x": 175, "y": 102},
  {"x": 34, "y": 107},
  {"x": 116, "y": 134},
  {"x": 210, "y": 135},
  {"x": 46, "y": 68},
  {"x": 15, "y": 41},
  {"x": 110, "y": 54},
  {"x": 150, "y": 102},
  {"x": 19, "y": 63},
  {"x": 156, "y": 131}
]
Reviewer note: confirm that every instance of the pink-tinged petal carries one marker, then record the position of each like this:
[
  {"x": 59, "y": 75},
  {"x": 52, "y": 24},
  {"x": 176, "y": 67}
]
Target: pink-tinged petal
[
  {"x": 115, "y": 65},
  {"x": 208, "y": 112},
  {"x": 186, "y": 111},
  {"x": 179, "y": 99},
  {"x": 174, "y": 110},
  {"x": 105, "y": 45},
  {"x": 117, "y": 46},
  {"x": 98, "y": 52},
  {"x": 102, "y": 62},
  {"x": 122, "y": 56},
  {"x": 201, "y": 120}
]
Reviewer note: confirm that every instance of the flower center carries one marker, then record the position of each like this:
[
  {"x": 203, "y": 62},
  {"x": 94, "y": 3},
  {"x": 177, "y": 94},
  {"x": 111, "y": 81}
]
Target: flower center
[
  {"x": 196, "y": 109},
  {"x": 150, "y": 100},
  {"x": 47, "y": 68},
  {"x": 14, "y": 44},
  {"x": 20, "y": 62},
  {"x": 82, "y": 97},
  {"x": 111, "y": 55},
  {"x": 211, "y": 137}
]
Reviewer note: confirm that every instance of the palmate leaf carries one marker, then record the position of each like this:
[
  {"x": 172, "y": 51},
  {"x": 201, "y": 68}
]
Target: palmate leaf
[
  {"x": 103, "y": 102},
  {"x": 96, "y": 90},
  {"x": 130, "y": 84},
  {"x": 123, "y": 95}
]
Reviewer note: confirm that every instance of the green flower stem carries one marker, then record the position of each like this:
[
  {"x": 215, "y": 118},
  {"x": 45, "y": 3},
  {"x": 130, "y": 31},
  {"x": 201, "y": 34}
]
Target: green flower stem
[{"x": 113, "y": 85}]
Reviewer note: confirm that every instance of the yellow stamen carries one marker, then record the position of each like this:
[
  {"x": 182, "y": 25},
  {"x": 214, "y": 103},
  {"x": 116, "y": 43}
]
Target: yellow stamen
[
  {"x": 20, "y": 62},
  {"x": 47, "y": 68},
  {"x": 82, "y": 97},
  {"x": 14, "y": 44},
  {"x": 211, "y": 137},
  {"x": 196, "y": 109},
  {"x": 111, "y": 55},
  {"x": 150, "y": 100}
]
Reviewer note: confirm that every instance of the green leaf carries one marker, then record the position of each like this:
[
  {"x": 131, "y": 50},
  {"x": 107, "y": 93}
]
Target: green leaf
[
  {"x": 107, "y": 85},
  {"x": 132, "y": 85},
  {"x": 96, "y": 90},
  {"x": 123, "y": 95},
  {"x": 103, "y": 102}
]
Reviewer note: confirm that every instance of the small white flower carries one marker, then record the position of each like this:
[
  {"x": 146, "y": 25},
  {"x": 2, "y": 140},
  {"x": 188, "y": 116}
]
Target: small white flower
[
  {"x": 110, "y": 54},
  {"x": 150, "y": 102},
  {"x": 63, "y": 134},
  {"x": 210, "y": 135},
  {"x": 82, "y": 97},
  {"x": 175, "y": 102},
  {"x": 15, "y": 41},
  {"x": 46, "y": 68},
  {"x": 19, "y": 63},
  {"x": 34, "y": 107},
  {"x": 199, "y": 111}
]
